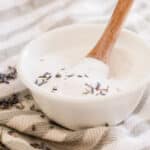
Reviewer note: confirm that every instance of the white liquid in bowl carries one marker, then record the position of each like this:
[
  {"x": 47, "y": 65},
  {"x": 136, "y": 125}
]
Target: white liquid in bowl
[{"x": 55, "y": 73}]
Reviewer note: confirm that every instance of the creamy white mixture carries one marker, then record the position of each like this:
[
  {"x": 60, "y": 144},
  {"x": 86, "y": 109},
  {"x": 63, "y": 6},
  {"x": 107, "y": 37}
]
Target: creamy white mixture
[{"x": 88, "y": 77}]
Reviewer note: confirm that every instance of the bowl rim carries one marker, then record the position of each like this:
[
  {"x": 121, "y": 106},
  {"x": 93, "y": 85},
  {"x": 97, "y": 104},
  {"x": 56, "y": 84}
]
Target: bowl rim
[{"x": 30, "y": 85}]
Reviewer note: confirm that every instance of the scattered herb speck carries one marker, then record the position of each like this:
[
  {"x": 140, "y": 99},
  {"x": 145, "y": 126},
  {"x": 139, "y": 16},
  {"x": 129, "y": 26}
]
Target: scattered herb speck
[
  {"x": 43, "y": 79},
  {"x": 33, "y": 128},
  {"x": 79, "y": 76},
  {"x": 70, "y": 75},
  {"x": 11, "y": 74},
  {"x": 54, "y": 89},
  {"x": 98, "y": 86},
  {"x": 58, "y": 75},
  {"x": 86, "y": 75}
]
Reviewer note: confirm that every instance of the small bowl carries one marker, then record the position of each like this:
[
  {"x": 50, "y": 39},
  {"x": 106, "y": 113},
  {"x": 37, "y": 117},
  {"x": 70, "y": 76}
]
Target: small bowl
[{"x": 78, "y": 112}]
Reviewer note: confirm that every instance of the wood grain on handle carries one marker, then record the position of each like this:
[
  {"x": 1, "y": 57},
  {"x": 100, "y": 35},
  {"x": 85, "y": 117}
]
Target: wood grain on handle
[{"x": 103, "y": 48}]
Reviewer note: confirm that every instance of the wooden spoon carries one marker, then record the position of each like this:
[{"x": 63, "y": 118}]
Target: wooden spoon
[
  {"x": 104, "y": 46},
  {"x": 95, "y": 64}
]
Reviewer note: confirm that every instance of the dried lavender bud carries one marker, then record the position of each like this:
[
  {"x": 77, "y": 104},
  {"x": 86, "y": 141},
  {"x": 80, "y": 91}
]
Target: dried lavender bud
[
  {"x": 79, "y": 76},
  {"x": 58, "y": 75},
  {"x": 54, "y": 89},
  {"x": 91, "y": 88},
  {"x": 86, "y": 75},
  {"x": 43, "y": 79},
  {"x": 42, "y": 116},
  {"x": 47, "y": 75},
  {"x": 2, "y": 77},
  {"x": 40, "y": 82},
  {"x": 10, "y": 75},
  {"x": 70, "y": 75},
  {"x": 33, "y": 128},
  {"x": 98, "y": 86},
  {"x": 6, "y": 103},
  {"x": 106, "y": 125},
  {"x": 33, "y": 108},
  {"x": 102, "y": 93}
]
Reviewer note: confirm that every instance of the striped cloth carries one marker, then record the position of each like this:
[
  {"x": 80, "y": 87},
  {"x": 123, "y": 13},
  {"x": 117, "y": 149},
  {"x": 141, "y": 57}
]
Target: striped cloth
[{"x": 22, "y": 125}]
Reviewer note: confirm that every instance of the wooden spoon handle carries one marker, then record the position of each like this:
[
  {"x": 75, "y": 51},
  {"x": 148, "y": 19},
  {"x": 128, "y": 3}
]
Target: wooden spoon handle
[{"x": 105, "y": 44}]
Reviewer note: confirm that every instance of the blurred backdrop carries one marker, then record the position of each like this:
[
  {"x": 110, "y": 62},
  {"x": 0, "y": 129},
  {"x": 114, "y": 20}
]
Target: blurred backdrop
[{"x": 23, "y": 20}]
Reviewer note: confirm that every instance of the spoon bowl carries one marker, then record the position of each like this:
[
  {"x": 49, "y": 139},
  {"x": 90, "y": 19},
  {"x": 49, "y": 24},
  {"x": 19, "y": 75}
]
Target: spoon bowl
[{"x": 82, "y": 112}]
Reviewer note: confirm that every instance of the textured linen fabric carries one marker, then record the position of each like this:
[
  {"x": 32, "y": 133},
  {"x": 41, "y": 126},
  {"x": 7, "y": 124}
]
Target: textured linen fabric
[{"x": 22, "y": 125}]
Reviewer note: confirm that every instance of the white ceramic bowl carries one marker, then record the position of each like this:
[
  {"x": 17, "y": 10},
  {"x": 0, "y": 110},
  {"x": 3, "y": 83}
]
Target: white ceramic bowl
[{"x": 75, "y": 112}]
